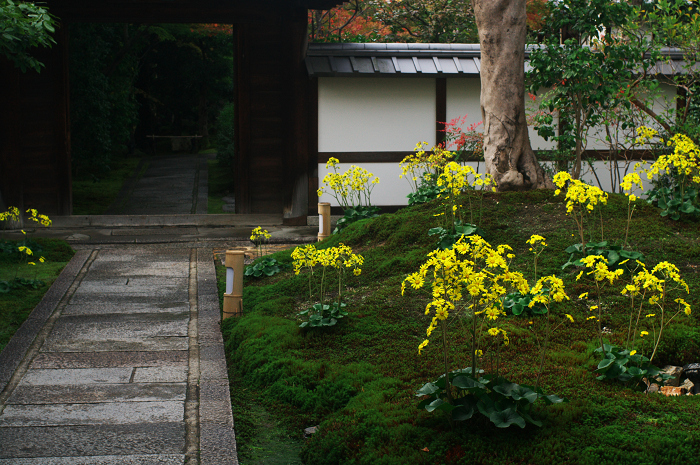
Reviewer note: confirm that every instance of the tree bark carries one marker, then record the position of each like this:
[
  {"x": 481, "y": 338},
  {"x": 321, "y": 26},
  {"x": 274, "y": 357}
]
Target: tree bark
[{"x": 507, "y": 152}]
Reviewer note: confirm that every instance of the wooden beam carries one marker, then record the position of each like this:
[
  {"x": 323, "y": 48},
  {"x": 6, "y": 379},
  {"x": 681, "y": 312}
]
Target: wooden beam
[
  {"x": 440, "y": 109},
  {"x": 313, "y": 147},
  {"x": 363, "y": 157},
  {"x": 180, "y": 11},
  {"x": 242, "y": 118}
]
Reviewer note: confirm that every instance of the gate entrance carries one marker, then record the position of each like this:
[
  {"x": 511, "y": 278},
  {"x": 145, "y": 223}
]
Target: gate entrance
[{"x": 272, "y": 103}]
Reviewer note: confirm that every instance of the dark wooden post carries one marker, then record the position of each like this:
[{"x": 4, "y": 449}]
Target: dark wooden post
[{"x": 35, "y": 133}]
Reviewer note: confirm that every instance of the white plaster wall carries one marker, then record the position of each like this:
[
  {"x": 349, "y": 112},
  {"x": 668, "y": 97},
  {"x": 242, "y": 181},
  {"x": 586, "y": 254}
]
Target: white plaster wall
[
  {"x": 375, "y": 115},
  {"x": 463, "y": 98},
  {"x": 664, "y": 99}
]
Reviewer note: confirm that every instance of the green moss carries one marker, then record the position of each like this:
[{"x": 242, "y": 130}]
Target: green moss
[
  {"x": 16, "y": 305},
  {"x": 357, "y": 380},
  {"x": 95, "y": 196},
  {"x": 220, "y": 184}
]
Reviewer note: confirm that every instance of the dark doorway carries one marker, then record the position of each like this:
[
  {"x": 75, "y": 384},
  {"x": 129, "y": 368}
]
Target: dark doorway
[
  {"x": 272, "y": 166},
  {"x": 145, "y": 99}
]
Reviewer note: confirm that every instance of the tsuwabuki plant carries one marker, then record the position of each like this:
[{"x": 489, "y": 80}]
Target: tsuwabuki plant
[
  {"x": 581, "y": 200},
  {"x": 26, "y": 250},
  {"x": 682, "y": 168},
  {"x": 468, "y": 282},
  {"x": 339, "y": 258},
  {"x": 352, "y": 190},
  {"x": 264, "y": 266}
]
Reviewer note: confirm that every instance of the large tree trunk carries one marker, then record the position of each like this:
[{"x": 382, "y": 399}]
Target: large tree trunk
[{"x": 507, "y": 152}]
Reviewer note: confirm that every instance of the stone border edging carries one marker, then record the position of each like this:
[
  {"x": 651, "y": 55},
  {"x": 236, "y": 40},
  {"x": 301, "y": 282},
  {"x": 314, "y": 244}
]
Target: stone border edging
[
  {"x": 217, "y": 440},
  {"x": 15, "y": 351}
]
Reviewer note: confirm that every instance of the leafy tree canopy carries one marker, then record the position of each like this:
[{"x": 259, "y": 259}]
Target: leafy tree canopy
[
  {"x": 24, "y": 26},
  {"x": 430, "y": 21}
]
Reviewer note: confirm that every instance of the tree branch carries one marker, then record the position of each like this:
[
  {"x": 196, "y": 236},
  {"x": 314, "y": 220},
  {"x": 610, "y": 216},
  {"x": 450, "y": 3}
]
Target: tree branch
[{"x": 650, "y": 112}]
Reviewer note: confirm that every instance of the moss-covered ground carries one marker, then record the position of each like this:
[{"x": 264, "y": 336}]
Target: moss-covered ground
[
  {"x": 220, "y": 185},
  {"x": 17, "y": 304},
  {"x": 92, "y": 196},
  {"x": 357, "y": 380}
]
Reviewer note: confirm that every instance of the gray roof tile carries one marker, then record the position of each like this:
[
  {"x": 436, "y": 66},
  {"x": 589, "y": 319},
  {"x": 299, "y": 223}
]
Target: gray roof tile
[{"x": 463, "y": 60}]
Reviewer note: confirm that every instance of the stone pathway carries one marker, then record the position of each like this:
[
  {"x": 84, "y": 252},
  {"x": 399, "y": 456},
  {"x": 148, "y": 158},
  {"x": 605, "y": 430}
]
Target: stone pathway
[
  {"x": 172, "y": 184},
  {"x": 121, "y": 363}
]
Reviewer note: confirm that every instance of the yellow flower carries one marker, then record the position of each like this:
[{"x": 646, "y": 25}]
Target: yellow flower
[
  {"x": 571, "y": 318},
  {"x": 633, "y": 352},
  {"x": 644, "y": 333},
  {"x": 422, "y": 345}
]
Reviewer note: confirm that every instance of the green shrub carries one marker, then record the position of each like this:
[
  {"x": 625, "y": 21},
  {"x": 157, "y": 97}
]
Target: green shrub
[{"x": 225, "y": 127}]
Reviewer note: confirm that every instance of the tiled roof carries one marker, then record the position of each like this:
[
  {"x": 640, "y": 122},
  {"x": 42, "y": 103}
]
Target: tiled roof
[
  {"x": 393, "y": 59},
  {"x": 374, "y": 59}
]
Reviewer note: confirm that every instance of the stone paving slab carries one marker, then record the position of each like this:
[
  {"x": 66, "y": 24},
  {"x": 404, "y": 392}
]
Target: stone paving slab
[
  {"x": 109, "y": 359},
  {"x": 160, "y": 375},
  {"x": 109, "y": 413},
  {"x": 130, "y": 268},
  {"x": 125, "y": 307},
  {"x": 124, "y": 343},
  {"x": 73, "y": 376},
  {"x": 96, "y": 289},
  {"x": 182, "y": 231},
  {"x": 123, "y": 332},
  {"x": 103, "y": 460},
  {"x": 83, "y": 394},
  {"x": 57, "y": 441}
]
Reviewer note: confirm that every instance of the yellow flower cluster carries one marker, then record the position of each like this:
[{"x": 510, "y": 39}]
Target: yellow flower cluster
[
  {"x": 655, "y": 282},
  {"x": 685, "y": 158},
  {"x": 630, "y": 183},
  {"x": 536, "y": 240},
  {"x": 556, "y": 291},
  {"x": 456, "y": 178},
  {"x": 259, "y": 234},
  {"x": 644, "y": 134},
  {"x": 599, "y": 269},
  {"x": 36, "y": 217},
  {"x": 334, "y": 257},
  {"x": 472, "y": 271},
  {"x": 29, "y": 253},
  {"x": 499, "y": 331},
  {"x": 578, "y": 192},
  {"x": 422, "y": 163},
  {"x": 352, "y": 188},
  {"x": 12, "y": 214}
]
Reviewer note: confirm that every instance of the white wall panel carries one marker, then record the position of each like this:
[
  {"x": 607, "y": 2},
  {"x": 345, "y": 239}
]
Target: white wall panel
[
  {"x": 375, "y": 115},
  {"x": 664, "y": 100},
  {"x": 463, "y": 98}
]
